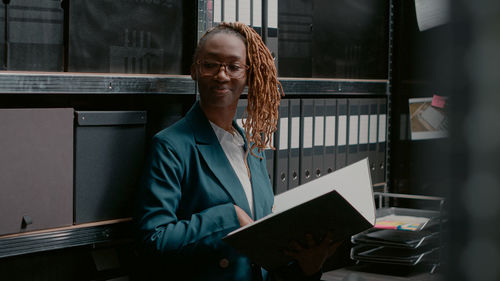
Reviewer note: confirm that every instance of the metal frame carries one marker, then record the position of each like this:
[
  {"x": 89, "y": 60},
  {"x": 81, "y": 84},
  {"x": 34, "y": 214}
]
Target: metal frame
[
  {"x": 39, "y": 241},
  {"x": 78, "y": 83}
]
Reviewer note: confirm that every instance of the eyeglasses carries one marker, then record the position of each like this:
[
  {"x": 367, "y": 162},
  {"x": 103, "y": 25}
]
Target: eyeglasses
[{"x": 233, "y": 70}]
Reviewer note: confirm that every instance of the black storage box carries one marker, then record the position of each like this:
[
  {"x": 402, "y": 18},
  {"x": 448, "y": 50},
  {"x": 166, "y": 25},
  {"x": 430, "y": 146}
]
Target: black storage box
[
  {"x": 36, "y": 169},
  {"x": 123, "y": 36},
  {"x": 109, "y": 154},
  {"x": 35, "y": 31}
]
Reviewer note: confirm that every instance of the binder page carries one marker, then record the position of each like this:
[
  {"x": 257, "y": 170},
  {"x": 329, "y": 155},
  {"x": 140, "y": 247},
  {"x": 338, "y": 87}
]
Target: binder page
[{"x": 353, "y": 182}]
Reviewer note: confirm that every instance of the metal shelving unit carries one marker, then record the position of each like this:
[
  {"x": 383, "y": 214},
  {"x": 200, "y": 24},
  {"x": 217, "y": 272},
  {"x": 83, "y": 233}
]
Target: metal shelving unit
[
  {"x": 65, "y": 83},
  {"x": 60, "y": 238}
]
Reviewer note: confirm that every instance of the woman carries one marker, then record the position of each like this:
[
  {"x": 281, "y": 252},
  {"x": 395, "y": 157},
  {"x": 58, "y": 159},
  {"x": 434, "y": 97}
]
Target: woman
[{"x": 206, "y": 176}]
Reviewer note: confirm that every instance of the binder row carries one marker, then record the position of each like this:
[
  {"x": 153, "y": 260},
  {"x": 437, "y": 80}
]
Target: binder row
[{"x": 317, "y": 136}]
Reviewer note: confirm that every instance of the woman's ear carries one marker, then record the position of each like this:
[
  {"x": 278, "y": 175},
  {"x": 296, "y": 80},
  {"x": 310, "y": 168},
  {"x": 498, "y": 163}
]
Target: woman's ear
[{"x": 194, "y": 74}]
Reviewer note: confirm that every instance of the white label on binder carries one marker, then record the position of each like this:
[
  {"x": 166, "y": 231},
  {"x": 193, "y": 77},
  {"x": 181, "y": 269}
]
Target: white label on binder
[
  {"x": 342, "y": 130},
  {"x": 229, "y": 10},
  {"x": 244, "y": 11},
  {"x": 381, "y": 128},
  {"x": 363, "y": 129},
  {"x": 373, "y": 128},
  {"x": 257, "y": 13},
  {"x": 308, "y": 132},
  {"x": 295, "y": 134},
  {"x": 330, "y": 131},
  {"x": 319, "y": 128},
  {"x": 272, "y": 15},
  {"x": 283, "y": 133},
  {"x": 353, "y": 129}
]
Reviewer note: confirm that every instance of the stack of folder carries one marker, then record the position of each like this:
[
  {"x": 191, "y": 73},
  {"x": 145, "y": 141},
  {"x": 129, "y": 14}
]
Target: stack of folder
[
  {"x": 316, "y": 136},
  {"x": 401, "y": 236}
]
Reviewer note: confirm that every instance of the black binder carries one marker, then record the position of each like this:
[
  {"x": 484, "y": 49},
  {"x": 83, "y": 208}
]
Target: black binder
[
  {"x": 306, "y": 140},
  {"x": 381, "y": 143},
  {"x": 281, "y": 144},
  {"x": 35, "y": 31},
  {"x": 341, "y": 133},
  {"x": 364, "y": 128},
  {"x": 353, "y": 131},
  {"x": 319, "y": 138},
  {"x": 372, "y": 137},
  {"x": 330, "y": 132},
  {"x": 294, "y": 143}
]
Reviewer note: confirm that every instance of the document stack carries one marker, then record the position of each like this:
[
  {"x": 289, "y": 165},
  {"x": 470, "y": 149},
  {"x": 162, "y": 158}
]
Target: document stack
[{"x": 402, "y": 236}]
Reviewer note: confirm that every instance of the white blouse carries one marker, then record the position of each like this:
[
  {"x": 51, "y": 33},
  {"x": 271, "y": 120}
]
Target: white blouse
[{"x": 233, "y": 146}]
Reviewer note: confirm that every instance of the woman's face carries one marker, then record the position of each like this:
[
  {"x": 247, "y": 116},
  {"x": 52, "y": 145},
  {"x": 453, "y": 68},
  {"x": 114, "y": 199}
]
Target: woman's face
[{"x": 220, "y": 90}]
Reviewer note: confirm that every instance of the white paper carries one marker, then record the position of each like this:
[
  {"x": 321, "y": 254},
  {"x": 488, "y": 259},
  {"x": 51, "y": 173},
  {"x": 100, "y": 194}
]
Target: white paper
[
  {"x": 432, "y": 13},
  {"x": 352, "y": 182}
]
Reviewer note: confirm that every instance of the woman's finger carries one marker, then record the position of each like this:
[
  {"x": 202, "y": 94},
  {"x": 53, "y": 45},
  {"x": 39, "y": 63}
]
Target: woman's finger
[{"x": 310, "y": 241}]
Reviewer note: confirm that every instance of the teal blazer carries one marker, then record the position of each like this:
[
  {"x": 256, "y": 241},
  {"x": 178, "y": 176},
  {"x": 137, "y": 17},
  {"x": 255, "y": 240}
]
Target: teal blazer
[{"x": 186, "y": 198}]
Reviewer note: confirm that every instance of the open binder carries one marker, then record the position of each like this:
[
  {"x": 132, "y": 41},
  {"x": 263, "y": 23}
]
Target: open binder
[{"x": 340, "y": 202}]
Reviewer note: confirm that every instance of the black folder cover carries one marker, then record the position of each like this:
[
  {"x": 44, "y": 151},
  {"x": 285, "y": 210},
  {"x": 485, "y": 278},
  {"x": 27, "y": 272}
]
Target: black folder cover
[
  {"x": 265, "y": 241},
  {"x": 337, "y": 203}
]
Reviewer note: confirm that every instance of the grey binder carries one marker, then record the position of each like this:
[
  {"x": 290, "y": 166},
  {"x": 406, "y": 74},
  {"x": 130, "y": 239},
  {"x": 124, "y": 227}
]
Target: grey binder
[
  {"x": 364, "y": 129},
  {"x": 381, "y": 142},
  {"x": 341, "y": 133},
  {"x": 353, "y": 131},
  {"x": 319, "y": 138},
  {"x": 306, "y": 140},
  {"x": 294, "y": 143},
  {"x": 372, "y": 137},
  {"x": 281, "y": 144},
  {"x": 330, "y": 132},
  {"x": 36, "y": 169}
]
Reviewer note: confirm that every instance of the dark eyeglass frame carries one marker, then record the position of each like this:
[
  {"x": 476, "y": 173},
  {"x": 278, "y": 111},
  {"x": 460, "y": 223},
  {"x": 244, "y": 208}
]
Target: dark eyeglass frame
[{"x": 216, "y": 70}]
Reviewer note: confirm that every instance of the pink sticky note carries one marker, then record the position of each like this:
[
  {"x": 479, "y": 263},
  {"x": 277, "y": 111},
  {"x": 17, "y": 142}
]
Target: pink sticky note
[{"x": 438, "y": 101}]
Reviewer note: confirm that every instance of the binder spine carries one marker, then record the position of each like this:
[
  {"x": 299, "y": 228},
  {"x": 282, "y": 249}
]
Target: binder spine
[
  {"x": 330, "y": 132},
  {"x": 353, "y": 129},
  {"x": 306, "y": 145},
  {"x": 319, "y": 137},
  {"x": 341, "y": 133},
  {"x": 294, "y": 143},
  {"x": 281, "y": 144}
]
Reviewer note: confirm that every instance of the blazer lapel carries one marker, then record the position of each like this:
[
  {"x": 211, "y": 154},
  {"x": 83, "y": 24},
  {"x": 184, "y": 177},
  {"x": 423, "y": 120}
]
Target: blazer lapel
[
  {"x": 259, "y": 189},
  {"x": 209, "y": 147}
]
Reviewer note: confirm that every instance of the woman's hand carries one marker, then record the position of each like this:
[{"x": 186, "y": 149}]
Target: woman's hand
[
  {"x": 243, "y": 217},
  {"x": 312, "y": 256}
]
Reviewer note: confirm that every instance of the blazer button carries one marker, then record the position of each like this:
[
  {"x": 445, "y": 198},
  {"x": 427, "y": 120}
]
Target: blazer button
[{"x": 224, "y": 263}]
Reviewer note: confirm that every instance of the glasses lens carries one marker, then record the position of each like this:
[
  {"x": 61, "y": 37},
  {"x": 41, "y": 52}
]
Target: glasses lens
[{"x": 212, "y": 68}]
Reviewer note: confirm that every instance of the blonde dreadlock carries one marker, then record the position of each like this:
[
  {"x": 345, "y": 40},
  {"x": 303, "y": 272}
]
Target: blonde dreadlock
[{"x": 264, "y": 89}]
